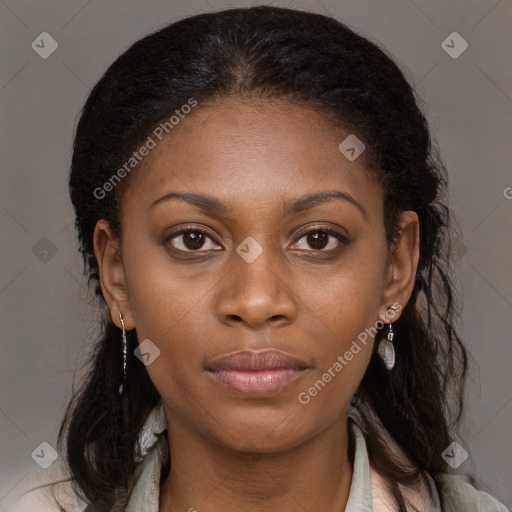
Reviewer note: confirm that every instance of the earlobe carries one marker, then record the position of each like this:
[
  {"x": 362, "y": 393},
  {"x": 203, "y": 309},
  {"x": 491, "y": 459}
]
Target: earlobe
[
  {"x": 404, "y": 257},
  {"x": 111, "y": 272}
]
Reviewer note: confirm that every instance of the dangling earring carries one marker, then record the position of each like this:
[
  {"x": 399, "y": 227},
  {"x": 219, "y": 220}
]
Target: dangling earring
[
  {"x": 125, "y": 350},
  {"x": 386, "y": 348}
]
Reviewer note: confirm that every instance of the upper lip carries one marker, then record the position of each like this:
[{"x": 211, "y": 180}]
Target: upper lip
[{"x": 250, "y": 360}]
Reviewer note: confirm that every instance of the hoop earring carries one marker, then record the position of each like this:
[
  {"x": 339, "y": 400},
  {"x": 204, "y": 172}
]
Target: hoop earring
[
  {"x": 125, "y": 350},
  {"x": 386, "y": 349}
]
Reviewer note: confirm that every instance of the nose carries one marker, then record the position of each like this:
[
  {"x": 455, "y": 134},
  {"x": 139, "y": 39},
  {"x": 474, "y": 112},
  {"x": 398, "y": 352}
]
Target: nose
[{"x": 258, "y": 293}]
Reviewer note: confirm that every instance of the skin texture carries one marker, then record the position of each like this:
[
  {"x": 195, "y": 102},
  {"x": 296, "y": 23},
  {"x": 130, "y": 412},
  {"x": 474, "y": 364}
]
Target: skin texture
[{"x": 230, "y": 452}]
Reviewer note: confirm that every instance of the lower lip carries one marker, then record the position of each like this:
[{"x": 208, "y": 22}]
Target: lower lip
[{"x": 259, "y": 383}]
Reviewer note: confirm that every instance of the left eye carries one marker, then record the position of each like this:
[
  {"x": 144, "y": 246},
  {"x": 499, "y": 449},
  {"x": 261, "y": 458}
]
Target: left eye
[{"x": 318, "y": 239}]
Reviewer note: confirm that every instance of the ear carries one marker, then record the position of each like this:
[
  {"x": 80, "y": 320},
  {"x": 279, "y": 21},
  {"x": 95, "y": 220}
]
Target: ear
[
  {"x": 402, "y": 265},
  {"x": 112, "y": 277}
]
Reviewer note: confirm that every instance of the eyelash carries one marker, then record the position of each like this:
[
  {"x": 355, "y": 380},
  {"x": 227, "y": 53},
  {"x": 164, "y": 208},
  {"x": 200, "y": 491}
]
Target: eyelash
[{"x": 312, "y": 229}]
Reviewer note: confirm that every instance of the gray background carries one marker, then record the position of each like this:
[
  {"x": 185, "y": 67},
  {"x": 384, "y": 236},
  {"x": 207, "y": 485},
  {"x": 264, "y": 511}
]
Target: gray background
[{"x": 47, "y": 314}]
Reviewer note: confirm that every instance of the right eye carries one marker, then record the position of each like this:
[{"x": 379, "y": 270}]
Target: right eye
[{"x": 190, "y": 239}]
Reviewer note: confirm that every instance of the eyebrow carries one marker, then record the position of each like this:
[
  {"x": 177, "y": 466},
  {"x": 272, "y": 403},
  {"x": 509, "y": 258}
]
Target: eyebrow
[{"x": 212, "y": 205}]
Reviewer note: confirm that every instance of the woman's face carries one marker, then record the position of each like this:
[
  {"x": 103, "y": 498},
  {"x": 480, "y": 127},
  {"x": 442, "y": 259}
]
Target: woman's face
[{"x": 253, "y": 278}]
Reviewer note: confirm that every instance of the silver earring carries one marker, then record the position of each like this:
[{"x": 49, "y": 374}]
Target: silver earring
[
  {"x": 125, "y": 350},
  {"x": 386, "y": 348}
]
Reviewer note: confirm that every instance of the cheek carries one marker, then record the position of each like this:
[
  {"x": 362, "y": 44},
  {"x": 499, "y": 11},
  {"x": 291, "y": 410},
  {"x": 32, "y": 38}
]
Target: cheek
[
  {"x": 161, "y": 295},
  {"x": 171, "y": 306},
  {"x": 348, "y": 308},
  {"x": 342, "y": 357},
  {"x": 349, "y": 301},
  {"x": 330, "y": 389}
]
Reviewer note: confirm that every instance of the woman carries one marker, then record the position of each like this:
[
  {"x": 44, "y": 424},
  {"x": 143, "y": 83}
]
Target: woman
[{"x": 260, "y": 208}]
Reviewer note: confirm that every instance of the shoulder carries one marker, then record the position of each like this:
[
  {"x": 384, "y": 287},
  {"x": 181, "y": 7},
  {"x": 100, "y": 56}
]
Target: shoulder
[
  {"x": 52, "y": 489},
  {"x": 448, "y": 492},
  {"x": 45, "y": 493},
  {"x": 458, "y": 494}
]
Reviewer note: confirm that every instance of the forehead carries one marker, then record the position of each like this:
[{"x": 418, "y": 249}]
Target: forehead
[{"x": 250, "y": 152}]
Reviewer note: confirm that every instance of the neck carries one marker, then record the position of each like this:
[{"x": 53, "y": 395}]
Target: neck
[{"x": 315, "y": 475}]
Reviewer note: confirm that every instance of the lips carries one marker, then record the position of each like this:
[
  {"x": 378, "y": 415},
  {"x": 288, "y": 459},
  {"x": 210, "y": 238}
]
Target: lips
[
  {"x": 250, "y": 360},
  {"x": 256, "y": 374}
]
